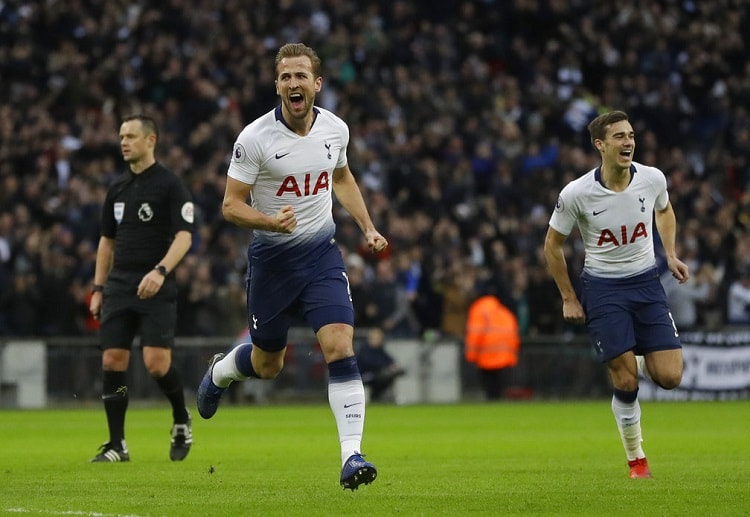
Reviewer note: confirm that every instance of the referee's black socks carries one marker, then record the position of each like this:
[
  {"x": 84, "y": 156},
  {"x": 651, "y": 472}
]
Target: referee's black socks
[{"x": 171, "y": 386}]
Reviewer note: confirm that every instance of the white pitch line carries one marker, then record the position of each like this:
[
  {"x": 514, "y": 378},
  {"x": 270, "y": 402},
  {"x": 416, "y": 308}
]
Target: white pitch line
[{"x": 70, "y": 512}]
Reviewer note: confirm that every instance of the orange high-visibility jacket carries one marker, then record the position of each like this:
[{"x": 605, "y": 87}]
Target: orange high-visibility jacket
[{"x": 492, "y": 336}]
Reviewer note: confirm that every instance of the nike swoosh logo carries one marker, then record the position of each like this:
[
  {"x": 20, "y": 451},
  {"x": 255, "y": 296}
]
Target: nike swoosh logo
[
  {"x": 279, "y": 156},
  {"x": 599, "y": 212},
  {"x": 346, "y": 406}
]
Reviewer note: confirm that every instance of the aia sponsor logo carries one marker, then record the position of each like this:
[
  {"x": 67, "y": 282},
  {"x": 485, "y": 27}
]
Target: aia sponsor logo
[
  {"x": 625, "y": 237},
  {"x": 309, "y": 186}
]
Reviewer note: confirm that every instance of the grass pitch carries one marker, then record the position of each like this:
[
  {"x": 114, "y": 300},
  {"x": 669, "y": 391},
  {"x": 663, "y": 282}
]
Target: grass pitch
[{"x": 535, "y": 458}]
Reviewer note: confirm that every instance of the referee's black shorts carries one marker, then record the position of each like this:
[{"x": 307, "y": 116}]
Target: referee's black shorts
[{"x": 124, "y": 315}]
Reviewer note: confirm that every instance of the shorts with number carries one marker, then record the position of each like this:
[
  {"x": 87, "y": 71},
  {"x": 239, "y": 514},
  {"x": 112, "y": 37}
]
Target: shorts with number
[
  {"x": 125, "y": 316},
  {"x": 274, "y": 297},
  {"x": 627, "y": 314}
]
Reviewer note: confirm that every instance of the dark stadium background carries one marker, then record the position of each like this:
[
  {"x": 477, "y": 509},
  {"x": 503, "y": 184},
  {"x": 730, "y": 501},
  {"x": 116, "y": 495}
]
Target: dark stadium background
[{"x": 466, "y": 118}]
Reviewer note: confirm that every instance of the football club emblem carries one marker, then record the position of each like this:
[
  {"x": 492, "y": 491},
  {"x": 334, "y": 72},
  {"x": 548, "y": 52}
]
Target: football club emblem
[
  {"x": 119, "y": 211},
  {"x": 145, "y": 213}
]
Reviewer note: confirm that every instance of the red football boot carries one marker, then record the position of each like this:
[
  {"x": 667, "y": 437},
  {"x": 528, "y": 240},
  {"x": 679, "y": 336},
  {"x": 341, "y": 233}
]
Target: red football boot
[{"x": 639, "y": 469}]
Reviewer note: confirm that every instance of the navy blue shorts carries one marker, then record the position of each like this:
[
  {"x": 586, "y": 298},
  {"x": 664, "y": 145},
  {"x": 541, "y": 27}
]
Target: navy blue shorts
[
  {"x": 628, "y": 314},
  {"x": 320, "y": 294}
]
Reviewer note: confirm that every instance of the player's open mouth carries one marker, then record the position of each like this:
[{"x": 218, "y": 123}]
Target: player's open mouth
[
  {"x": 296, "y": 99},
  {"x": 626, "y": 153}
]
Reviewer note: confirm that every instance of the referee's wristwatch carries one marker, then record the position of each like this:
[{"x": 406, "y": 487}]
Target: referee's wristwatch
[{"x": 161, "y": 269}]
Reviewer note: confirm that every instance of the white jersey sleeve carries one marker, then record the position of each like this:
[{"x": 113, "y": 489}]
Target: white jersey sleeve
[{"x": 616, "y": 227}]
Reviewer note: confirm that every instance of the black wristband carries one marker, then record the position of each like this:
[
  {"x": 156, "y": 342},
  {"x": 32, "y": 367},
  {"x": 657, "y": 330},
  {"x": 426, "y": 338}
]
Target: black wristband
[
  {"x": 98, "y": 288},
  {"x": 161, "y": 269}
]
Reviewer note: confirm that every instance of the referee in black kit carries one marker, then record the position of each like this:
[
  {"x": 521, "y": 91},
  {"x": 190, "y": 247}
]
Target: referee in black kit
[{"x": 147, "y": 225}]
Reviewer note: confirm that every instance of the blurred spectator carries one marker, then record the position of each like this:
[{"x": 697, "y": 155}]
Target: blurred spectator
[
  {"x": 378, "y": 368},
  {"x": 365, "y": 310},
  {"x": 390, "y": 305},
  {"x": 183, "y": 273},
  {"x": 686, "y": 299},
  {"x": 21, "y": 306},
  {"x": 458, "y": 293},
  {"x": 203, "y": 300},
  {"x": 738, "y": 298}
]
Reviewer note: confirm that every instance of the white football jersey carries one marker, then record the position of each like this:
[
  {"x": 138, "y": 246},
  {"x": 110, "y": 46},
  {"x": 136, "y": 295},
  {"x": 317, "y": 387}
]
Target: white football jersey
[
  {"x": 616, "y": 227},
  {"x": 288, "y": 169}
]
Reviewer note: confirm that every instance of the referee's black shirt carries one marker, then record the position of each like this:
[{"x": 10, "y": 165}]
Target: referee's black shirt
[{"x": 142, "y": 213}]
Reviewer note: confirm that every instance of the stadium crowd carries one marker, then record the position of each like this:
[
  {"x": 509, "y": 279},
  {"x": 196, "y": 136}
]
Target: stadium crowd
[{"x": 466, "y": 118}]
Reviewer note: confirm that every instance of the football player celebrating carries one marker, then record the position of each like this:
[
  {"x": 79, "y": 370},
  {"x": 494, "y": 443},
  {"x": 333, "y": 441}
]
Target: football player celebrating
[
  {"x": 290, "y": 161},
  {"x": 622, "y": 302}
]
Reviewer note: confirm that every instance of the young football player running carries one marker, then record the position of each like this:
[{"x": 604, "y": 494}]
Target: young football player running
[
  {"x": 622, "y": 303},
  {"x": 291, "y": 160}
]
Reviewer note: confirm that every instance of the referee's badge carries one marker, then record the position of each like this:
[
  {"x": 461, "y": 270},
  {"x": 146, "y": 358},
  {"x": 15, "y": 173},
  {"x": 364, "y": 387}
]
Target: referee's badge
[
  {"x": 119, "y": 211},
  {"x": 145, "y": 213}
]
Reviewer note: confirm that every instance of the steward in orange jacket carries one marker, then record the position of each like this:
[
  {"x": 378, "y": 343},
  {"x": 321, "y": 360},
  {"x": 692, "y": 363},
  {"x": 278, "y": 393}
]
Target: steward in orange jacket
[{"x": 492, "y": 335}]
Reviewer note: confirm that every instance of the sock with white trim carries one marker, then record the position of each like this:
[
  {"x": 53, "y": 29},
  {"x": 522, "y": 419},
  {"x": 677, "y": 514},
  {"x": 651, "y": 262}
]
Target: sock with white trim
[
  {"x": 235, "y": 366},
  {"x": 346, "y": 396},
  {"x": 627, "y": 412}
]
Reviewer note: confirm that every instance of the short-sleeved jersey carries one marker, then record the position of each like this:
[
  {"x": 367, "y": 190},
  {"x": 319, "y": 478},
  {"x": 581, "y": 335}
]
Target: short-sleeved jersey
[
  {"x": 142, "y": 213},
  {"x": 288, "y": 169},
  {"x": 616, "y": 227}
]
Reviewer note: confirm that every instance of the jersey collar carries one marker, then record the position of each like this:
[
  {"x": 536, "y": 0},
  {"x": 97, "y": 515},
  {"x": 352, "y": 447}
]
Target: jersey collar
[
  {"x": 145, "y": 172},
  {"x": 280, "y": 117},
  {"x": 598, "y": 174}
]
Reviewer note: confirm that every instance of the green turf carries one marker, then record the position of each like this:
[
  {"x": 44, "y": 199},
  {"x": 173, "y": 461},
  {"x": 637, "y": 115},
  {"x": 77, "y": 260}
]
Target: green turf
[{"x": 561, "y": 458}]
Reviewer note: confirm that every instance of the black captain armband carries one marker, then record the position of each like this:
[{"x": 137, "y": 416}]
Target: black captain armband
[
  {"x": 161, "y": 269},
  {"x": 98, "y": 288}
]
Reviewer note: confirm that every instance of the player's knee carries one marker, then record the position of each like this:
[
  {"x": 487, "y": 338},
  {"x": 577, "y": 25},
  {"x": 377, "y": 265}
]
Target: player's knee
[
  {"x": 157, "y": 365},
  {"x": 670, "y": 381},
  {"x": 115, "y": 360},
  {"x": 668, "y": 378},
  {"x": 269, "y": 370},
  {"x": 157, "y": 370}
]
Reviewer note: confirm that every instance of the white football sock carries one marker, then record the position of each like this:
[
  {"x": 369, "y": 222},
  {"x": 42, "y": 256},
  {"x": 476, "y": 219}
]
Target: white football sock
[
  {"x": 347, "y": 401},
  {"x": 225, "y": 371},
  {"x": 628, "y": 418}
]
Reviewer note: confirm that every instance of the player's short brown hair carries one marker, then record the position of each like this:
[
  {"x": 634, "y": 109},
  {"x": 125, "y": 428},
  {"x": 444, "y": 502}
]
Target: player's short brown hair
[
  {"x": 297, "y": 50},
  {"x": 598, "y": 126}
]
